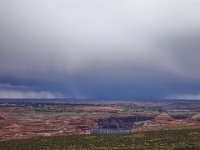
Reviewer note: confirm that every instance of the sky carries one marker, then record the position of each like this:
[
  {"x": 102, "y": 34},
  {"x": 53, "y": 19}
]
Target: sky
[{"x": 100, "y": 49}]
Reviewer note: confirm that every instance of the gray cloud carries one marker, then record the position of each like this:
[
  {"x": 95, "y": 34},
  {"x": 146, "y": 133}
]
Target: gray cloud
[
  {"x": 140, "y": 40},
  {"x": 12, "y": 91},
  {"x": 185, "y": 97},
  {"x": 28, "y": 94}
]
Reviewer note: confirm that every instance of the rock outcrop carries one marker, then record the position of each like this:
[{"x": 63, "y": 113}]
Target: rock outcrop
[
  {"x": 195, "y": 117},
  {"x": 163, "y": 118}
]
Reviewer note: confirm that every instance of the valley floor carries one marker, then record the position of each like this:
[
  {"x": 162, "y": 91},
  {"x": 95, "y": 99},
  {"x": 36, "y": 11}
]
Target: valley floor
[{"x": 180, "y": 139}]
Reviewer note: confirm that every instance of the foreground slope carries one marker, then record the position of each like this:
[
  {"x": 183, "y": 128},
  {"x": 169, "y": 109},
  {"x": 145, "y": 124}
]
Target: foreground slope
[{"x": 168, "y": 139}]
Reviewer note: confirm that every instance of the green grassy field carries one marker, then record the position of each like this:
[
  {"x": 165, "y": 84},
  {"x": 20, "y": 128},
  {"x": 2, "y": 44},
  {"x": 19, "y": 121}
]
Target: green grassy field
[{"x": 184, "y": 139}]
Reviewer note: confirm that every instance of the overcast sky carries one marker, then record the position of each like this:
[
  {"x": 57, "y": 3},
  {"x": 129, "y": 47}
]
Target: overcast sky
[{"x": 111, "y": 49}]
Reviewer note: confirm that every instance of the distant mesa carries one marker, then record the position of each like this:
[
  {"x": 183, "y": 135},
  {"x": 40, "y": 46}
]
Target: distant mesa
[
  {"x": 2, "y": 118},
  {"x": 163, "y": 118},
  {"x": 196, "y": 117}
]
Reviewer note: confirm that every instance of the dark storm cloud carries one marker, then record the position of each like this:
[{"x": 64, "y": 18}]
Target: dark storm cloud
[{"x": 144, "y": 48}]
